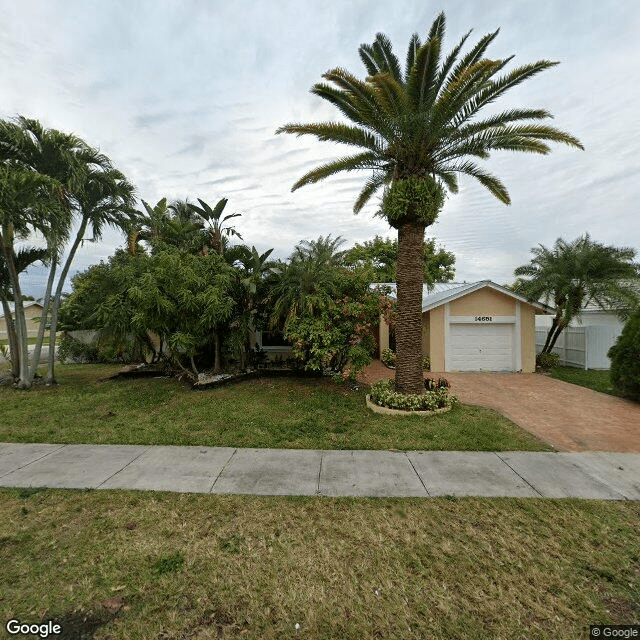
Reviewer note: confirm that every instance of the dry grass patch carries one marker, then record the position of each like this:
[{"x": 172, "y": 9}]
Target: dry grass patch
[{"x": 157, "y": 565}]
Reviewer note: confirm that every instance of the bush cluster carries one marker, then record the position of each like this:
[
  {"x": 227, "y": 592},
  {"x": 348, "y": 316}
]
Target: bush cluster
[
  {"x": 72, "y": 350},
  {"x": 384, "y": 394},
  {"x": 625, "y": 359},
  {"x": 388, "y": 358},
  {"x": 547, "y": 360}
]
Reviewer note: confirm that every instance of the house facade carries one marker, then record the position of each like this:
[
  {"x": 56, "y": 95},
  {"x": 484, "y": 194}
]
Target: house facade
[
  {"x": 476, "y": 326},
  {"x": 32, "y": 310}
]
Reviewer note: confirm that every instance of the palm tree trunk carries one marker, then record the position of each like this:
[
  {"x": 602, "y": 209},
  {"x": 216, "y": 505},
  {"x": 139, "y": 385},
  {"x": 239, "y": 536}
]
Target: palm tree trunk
[
  {"x": 43, "y": 317},
  {"x": 556, "y": 335},
  {"x": 6, "y": 240},
  {"x": 51, "y": 379},
  {"x": 554, "y": 324},
  {"x": 12, "y": 336},
  {"x": 409, "y": 276},
  {"x": 216, "y": 361}
]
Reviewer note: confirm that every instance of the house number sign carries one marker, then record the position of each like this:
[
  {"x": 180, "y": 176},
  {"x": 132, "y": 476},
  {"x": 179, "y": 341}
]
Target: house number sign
[{"x": 483, "y": 318}]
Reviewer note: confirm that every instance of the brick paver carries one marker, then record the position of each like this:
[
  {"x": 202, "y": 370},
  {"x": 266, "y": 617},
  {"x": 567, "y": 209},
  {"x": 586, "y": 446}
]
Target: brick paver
[{"x": 569, "y": 417}]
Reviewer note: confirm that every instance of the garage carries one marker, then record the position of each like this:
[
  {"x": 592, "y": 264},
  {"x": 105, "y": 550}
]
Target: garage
[
  {"x": 476, "y": 326},
  {"x": 481, "y": 347}
]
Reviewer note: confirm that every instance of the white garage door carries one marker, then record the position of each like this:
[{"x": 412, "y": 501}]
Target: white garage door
[{"x": 480, "y": 347}]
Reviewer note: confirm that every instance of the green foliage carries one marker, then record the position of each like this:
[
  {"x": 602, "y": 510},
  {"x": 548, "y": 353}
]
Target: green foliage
[
  {"x": 384, "y": 394},
  {"x": 412, "y": 199},
  {"x": 547, "y": 361},
  {"x": 72, "y": 350},
  {"x": 168, "y": 564},
  {"x": 625, "y": 359},
  {"x": 381, "y": 256},
  {"x": 388, "y": 357}
]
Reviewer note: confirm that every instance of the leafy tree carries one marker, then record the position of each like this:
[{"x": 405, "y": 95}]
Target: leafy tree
[
  {"x": 417, "y": 130},
  {"x": 326, "y": 310},
  {"x": 381, "y": 254},
  {"x": 573, "y": 274},
  {"x": 625, "y": 359}
]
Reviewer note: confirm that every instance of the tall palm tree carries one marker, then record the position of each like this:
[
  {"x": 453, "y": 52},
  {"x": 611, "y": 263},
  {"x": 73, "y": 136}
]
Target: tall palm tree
[
  {"x": 417, "y": 131},
  {"x": 103, "y": 197},
  {"x": 573, "y": 274}
]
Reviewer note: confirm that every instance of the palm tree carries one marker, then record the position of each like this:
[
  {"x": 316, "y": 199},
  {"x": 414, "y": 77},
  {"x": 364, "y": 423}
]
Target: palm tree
[
  {"x": 417, "y": 131},
  {"x": 212, "y": 217},
  {"x": 103, "y": 198},
  {"x": 573, "y": 274},
  {"x": 323, "y": 251}
]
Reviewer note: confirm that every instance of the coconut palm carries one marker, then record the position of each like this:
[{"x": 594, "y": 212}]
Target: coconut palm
[
  {"x": 574, "y": 274},
  {"x": 417, "y": 130}
]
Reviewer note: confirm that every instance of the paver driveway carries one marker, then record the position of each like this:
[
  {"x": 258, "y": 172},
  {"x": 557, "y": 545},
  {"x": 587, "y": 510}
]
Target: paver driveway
[{"x": 569, "y": 417}]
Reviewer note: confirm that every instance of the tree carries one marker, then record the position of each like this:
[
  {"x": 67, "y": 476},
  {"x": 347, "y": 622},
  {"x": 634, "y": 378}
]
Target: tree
[
  {"x": 417, "y": 131},
  {"x": 103, "y": 198},
  {"x": 212, "y": 218},
  {"x": 381, "y": 254},
  {"x": 573, "y": 274},
  {"x": 325, "y": 310}
]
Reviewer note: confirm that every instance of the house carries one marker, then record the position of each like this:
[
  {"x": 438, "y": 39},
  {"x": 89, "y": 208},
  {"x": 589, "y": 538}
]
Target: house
[
  {"x": 32, "y": 310},
  {"x": 587, "y": 339},
  {"x": 476, "y": 326}
]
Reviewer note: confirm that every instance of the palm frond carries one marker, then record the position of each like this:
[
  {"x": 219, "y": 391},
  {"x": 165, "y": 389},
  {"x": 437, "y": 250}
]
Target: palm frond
[{"x": 350, "y": 163}]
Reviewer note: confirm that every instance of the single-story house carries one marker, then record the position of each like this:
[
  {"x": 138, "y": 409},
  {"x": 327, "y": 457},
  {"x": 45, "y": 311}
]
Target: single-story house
[
  {"x": 587, "y": 339},
  {"x": 32, "y": 310},
  {"x": 476, "y": 326}
]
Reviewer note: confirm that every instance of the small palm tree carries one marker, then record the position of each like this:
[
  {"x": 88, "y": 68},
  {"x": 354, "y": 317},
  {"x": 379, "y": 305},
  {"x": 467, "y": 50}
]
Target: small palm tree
[
  {"x": 573, "y": 274},
  {"x": 417, "y": 130}
]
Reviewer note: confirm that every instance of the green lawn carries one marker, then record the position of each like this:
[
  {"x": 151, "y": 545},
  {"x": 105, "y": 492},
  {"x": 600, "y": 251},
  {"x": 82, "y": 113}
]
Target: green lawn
[
  {"x": 133, "y": 565},
  {"x": 45, "y": 341},
  {"x": 591, "y": 378},
  {"x": 287, "y": 413}
]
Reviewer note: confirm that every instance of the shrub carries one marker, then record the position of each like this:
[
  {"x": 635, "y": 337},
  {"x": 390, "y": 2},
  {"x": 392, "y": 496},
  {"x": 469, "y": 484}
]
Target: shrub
[
  {"x": 441, "y": 383},
  {"x": 625, "y": 359},
  {"x": 547, "y": 360},
  {"x": 388, "y": 357},
  {"x": 384, "y": 394},
  {"x": 72, "y": 350}
]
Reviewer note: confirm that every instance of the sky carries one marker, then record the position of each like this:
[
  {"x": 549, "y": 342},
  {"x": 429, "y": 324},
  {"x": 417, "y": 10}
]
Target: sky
[{"x": 185, "y": 98}]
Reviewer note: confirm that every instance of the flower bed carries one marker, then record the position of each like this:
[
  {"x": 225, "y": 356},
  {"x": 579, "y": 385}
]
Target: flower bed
[{"x": 383, "y": 394}]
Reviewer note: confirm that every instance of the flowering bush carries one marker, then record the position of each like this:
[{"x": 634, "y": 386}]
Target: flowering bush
[{"x": 384, "y": 394}]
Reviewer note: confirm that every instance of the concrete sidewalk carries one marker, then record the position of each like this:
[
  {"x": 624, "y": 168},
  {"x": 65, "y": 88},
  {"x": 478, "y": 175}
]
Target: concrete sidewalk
[{"x": 608, "y": 476}]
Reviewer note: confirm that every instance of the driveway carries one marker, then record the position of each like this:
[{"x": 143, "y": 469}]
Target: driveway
[{"x": 569, "y": 417}]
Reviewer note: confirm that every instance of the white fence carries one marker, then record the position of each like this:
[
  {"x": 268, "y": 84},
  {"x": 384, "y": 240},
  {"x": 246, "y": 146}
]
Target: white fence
[{"x": 584, "y": 347}]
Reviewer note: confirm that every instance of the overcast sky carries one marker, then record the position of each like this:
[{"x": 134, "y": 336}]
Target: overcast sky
[{"x": 185, "y": 98}]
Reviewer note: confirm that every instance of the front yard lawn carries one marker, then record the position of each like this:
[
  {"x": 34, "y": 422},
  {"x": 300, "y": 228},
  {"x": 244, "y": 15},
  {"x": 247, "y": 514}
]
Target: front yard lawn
[
  {"x": 590, "y": 378},
  {"x": 133, "y": 565},
  {"x": 280, "y": 413}
]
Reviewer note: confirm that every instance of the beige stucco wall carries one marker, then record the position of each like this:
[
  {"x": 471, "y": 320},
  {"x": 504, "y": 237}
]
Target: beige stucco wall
[
  {"x": 485, "y": 302},
  {"x": 436, "y": 338},
  {"x": 528, "y": 337},
  {"x": 383, "y": 335},
  {"x": 30, "y": 313},
  {"x": 426, "y": 338}
]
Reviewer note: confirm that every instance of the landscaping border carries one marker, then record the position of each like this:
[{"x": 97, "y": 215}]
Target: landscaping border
[{"x": 376, "y": 408}]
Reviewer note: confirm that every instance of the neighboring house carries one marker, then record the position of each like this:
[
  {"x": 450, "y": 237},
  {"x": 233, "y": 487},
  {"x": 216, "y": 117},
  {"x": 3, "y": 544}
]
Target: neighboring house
[
  {"x": 476, "y": 326},
  {"x": 587, "y": 339},
  {"x": 273, "y": 344},
  {"x": 32, "y": 310}
]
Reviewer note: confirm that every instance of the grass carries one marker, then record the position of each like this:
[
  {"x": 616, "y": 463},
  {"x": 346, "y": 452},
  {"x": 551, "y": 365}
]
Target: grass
[
  {"x": 281, "y": 413},
  {"x": 590, "y": 378},
  {"x": 132, "y": 565},
  {"x": 45, "y": 342}
]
